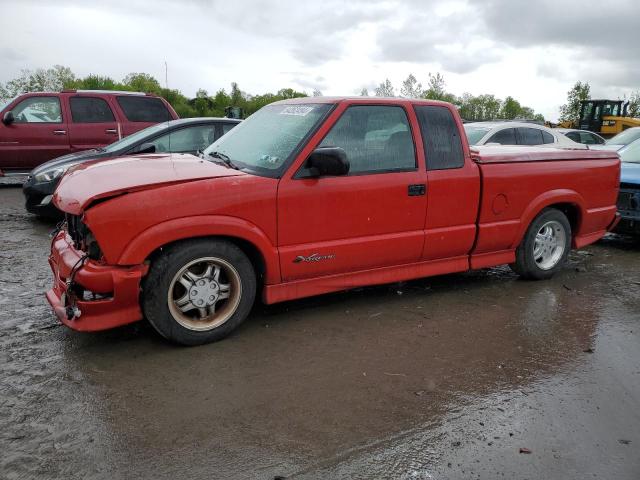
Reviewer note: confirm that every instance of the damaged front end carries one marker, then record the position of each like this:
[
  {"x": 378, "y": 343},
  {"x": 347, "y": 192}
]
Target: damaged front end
[{"x": 88, "y": 294}]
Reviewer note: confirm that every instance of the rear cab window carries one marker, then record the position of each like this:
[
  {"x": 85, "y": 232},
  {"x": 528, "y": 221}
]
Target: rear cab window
[
  {"x": 441, "y": 137},
  {"x": 143, "y": 109}
]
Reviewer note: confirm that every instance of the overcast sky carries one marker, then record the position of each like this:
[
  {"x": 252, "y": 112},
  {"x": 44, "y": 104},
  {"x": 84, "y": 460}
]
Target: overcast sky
[{"x": 533, "y": 50}]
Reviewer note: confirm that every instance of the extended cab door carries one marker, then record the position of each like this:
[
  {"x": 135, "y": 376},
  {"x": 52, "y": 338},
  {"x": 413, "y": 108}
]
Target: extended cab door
[
  {"x": 454, "y": 185},
  {"x": 372, "y": 217},
  {"x": 92, "y": 123},
  {"x": 37, "y": 134}
]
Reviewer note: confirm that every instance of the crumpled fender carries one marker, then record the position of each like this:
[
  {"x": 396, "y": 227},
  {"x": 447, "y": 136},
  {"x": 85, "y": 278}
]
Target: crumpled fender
[{"x": 148, "y": 241}]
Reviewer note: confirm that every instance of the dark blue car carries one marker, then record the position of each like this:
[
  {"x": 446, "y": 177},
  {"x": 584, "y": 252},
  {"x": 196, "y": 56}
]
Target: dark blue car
[{"x": 188, "y": 135}]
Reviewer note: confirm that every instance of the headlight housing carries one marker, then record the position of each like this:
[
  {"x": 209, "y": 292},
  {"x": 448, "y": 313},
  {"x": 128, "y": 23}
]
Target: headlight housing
[{"x": 49, "y": 175}]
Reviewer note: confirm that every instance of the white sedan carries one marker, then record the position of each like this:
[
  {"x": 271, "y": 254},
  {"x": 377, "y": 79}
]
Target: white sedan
[{"x": 516, "y": 133}]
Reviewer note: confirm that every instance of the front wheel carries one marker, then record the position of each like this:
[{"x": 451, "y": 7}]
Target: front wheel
[
  {"x": 199, "y": 291},
  {"x": 545, "y": 247}
]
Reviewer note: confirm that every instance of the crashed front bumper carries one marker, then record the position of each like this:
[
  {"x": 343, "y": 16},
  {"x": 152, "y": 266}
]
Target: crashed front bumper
[{"x": 89, "y": 296}]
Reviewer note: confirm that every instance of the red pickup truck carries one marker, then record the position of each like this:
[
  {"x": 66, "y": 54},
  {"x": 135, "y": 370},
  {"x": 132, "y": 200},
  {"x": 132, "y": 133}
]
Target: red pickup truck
[
  {"x": 310, "y": 196},
  {"x": 36, "y": 127}
]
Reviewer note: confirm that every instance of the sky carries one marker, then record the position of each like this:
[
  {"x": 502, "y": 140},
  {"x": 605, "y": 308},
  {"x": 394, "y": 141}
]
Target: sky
[{"x": 533, "y": 50}]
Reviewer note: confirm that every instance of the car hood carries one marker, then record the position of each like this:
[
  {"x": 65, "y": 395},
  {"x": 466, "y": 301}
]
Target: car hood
[
  {"x": 71, "y": 158},
  {"x": 86, "y": 183},
  {"x": 630, "y": 173}
]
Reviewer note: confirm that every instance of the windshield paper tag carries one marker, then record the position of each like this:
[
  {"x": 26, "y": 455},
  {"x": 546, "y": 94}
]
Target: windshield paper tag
[{"x": 299, "y": 110}]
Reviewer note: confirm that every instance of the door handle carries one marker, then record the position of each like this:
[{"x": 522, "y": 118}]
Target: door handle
[
  {"x": 111, "y": 130},
  {"x": 417, "y": 189},
  {"x": 59, "y": 132}
]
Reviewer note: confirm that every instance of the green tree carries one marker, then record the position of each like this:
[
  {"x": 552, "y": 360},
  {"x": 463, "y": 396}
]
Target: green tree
[
  {"x": 95, "y": 82},
  {"x": 142, "y": 82},
  {"x": 411, "y": 88},
  {"x": 385, "y": 89},
  {"x": 40, "y": 80},
  {"x": 570, "y": 111},
  {"x": 364, "y": 92},
  {"x": 435, "y": 87},
  {"x": 510, "y": 109},
  {"x": 633, "y": 110}
]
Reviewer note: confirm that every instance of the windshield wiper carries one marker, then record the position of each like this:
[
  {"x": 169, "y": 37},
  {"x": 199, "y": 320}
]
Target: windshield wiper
[{"x": 225, "y": 159}]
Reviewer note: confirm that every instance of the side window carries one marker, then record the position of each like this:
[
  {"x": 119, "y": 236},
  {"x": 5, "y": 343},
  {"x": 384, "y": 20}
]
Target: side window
[
  {"x": 143, "y": 109},
  {"x": 529, "y": 136},
  {"x": 506, "y": 136},
  {"x": 575, "y": 136},
  {"x": 375, "y": 138},
  {"x": 90, "y": 110},
  {"x": 441, "y": 138},
  {"x": 38, "y": 110},
  {"x": 596, "y": 139},
  {"x": 547, "y": 137},
  {"x": 189, "y": 139}
]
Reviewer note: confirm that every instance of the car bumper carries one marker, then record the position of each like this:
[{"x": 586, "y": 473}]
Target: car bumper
[
  {"x": 629, "y": 211},
  {"x": 95, "y": 297},
  {"x": 38, "y": 198}
]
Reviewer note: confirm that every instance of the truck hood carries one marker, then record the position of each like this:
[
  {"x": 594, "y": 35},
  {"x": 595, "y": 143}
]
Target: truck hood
[
  {"x": 88, "y": 182},
  {"x": 630, "y": 173}
]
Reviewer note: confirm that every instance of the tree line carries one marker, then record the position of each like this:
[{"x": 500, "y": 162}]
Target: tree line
[
  {"x": 471, "y": 107},
  {"x": 204, "y": 104}
]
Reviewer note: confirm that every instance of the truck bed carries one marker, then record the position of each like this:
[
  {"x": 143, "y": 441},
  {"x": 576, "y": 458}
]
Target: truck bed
[{"x": 517, "y": 183}]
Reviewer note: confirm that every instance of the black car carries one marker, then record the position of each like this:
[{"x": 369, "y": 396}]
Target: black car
[{"x": 188, "y": 135}]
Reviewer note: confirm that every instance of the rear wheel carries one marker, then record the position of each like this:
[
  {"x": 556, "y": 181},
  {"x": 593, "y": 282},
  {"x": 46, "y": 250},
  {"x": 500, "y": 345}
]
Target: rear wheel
[
  {"x": 199, "y": 291},
  {"x": 545, "y": 246}
]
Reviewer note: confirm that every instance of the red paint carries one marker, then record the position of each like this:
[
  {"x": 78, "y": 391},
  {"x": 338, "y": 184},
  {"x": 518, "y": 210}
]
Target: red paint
[
  {"x": 368, "y": 226},
  {"x": 24, "y": 146}
]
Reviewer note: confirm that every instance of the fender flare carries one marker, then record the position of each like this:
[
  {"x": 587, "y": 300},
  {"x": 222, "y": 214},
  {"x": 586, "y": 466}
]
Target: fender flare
[
  {"x": 139, "y": 249},
  {"x": 545, "y": 200}
]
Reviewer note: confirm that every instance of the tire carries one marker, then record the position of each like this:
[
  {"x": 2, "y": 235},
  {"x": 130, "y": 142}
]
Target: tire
[
  {"x": 545, "y": 247},
  {"x": 198, "y": 291}
]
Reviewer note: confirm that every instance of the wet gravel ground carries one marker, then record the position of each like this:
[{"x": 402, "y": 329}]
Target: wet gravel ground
[{"x": 445, "y": 378}]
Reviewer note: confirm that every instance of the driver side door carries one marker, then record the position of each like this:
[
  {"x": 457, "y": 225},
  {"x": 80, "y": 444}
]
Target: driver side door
[{"x": 373, "y": 217}]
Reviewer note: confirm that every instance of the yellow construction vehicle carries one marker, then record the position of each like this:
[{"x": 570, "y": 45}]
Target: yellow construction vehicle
[{"x": 606, "y": 117}]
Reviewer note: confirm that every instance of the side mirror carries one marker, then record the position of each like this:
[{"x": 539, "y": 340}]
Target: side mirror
[
  {"x": 330, "y": 161},
  {"x": 146, "y": 148},
  {"x": 8, "y": 118}
]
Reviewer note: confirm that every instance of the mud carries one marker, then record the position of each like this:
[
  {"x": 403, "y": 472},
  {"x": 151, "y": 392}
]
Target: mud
[{"x": 444, "y": 378}]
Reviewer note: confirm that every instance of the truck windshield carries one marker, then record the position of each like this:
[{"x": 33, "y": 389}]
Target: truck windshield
[
  {"x": 475, "y": 134},
  {"x": 265, "y": 141}
]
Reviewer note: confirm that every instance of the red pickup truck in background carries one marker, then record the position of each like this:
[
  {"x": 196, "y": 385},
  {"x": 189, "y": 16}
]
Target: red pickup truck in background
[
  {"x": 37, "y": 127},
  {"x": 310, "y": 196}
]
